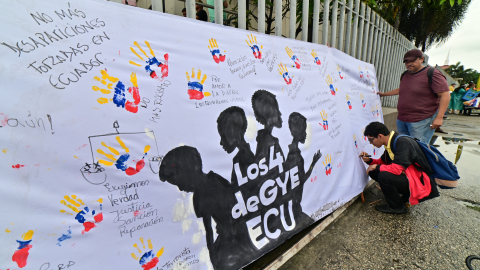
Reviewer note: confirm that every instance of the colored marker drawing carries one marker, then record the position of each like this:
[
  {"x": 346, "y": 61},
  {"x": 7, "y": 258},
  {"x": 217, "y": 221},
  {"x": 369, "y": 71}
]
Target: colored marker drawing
[
  {"x": 119, "y": 98},
  {"x": 151, "y": 62},
  {"x": 20, "y": 255},
  {"x": 328, "y": 164},
  {"x": 252, "y": 43},
  {"x": 148, "y": 259},
  {"x": 195, "y": 86},
  {"x": 114, "y": 158},
  {"x": 81, "y": 215},
  {"x": 339, "y": 72},
  {"x": 316, "y": 60},
  {"x": 324, "y": 123},
  {"x": 329, "y": 81},
  {"x": 363, "y": 100},
  {"x": 349, "y": 103},
  {"x": 282, "y": 70},
  {"x": 294, "y": 58},
  {"x": 215, "y": 51}
]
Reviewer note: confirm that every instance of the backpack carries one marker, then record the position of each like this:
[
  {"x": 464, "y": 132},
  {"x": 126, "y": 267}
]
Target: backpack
[
  {"x": 429, "y": 75},
  {"x": 445, "y": 172}
]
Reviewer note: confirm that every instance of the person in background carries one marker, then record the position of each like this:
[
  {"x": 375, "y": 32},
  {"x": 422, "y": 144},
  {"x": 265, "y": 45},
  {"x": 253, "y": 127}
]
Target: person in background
[
  {"x": 421, "y": 105},
  {"x": 456, "y": 102},
  {"x": 211, "y": 11},
  {"x": 130, "y": 2},
  {"x": 184, "y": 12},
  {"x": 471, "y": 85},
  {"x": 452, "y": 87},
  {"x": 201, "y": 14}
]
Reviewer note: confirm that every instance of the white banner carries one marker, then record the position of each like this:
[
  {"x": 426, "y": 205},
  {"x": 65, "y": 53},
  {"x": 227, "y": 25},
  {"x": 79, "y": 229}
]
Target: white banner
[{"x": 136, "y": 139}]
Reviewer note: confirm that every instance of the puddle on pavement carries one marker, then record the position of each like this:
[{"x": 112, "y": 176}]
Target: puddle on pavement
[{"x": 468, "y": 154}]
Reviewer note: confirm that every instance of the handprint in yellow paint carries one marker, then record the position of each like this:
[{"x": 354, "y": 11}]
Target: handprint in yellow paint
[
  {"x": 295, "y": 59},
  {"x": 195, "y": 87},
  {"x": 328, "y": 164},
  {"x": 329, "y": 81},
  {"x": 282, "y": 69},
  {"x": 148, "y": 260},
  {"x": 215, "y": 51},
  {"x": 77, "y": 206},
  {"x": 151, "y": 61},
  {"x": 119, "y": 98},
  {"x": 316, "y": 60},
  {"x": 252, "y": 43},
  {"x": 114, "y": 157}
]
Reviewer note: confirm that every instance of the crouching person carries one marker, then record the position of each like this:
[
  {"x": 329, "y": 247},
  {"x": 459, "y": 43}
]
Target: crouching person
[{"x": 403, "y": 173}]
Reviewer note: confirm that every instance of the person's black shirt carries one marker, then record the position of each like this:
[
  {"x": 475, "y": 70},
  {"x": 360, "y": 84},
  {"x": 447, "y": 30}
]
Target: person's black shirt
[{"x": 202, "y": 15}]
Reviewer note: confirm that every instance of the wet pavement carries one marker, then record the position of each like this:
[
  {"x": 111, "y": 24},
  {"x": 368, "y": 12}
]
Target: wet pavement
[{"x": 436, "y": 234}]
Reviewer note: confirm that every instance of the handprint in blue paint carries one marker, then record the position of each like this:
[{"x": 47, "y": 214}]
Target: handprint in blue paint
[
  {"x": 252, "y": 43},
  {"x": 74, "y": 204},
  {"x": 324, "y": 116},
  {"x": 151, "y": 61},
  {"x": 329, "y": 81},
  {"x": 119, "y": 98},
  {"x": 293, "y": 57},
  {"x": 195, "y": 88},
  {"x": 328, "y": 164},
  {"x": 215, "y": 51},
  {"x": 148, "y": 260},
  {"x": 316, "y": 60},
  {"x": 282, "y": 70}
]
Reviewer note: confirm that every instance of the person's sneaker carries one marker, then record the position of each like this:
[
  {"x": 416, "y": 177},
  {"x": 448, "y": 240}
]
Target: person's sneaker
[{"x": 386, "y": 209}]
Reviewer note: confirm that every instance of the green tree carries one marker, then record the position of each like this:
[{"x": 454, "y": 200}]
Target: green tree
[{"x": 458, "y": 71}]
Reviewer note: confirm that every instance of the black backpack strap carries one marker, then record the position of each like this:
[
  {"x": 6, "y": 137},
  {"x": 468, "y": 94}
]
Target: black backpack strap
[
  {"x": 430, "y": 75},
  {"x": 403, "y": 74}
]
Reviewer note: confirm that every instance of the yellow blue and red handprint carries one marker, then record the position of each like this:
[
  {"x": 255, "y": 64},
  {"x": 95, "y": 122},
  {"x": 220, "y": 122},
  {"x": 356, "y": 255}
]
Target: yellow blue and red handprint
[
  {"x": 349, "y": 103},
  {"x": 282, "y": 69},
  {"x": 328, "y": 164},
  {"x": 195, "y": 87},
  {"x": 339, "y": 72},
  {"x": 21, "y": 254},
  {"x": 151, "y": 61},
  {"x": 148, "y": 260},
  {"x": 120, "y": 161},
  {"x": 329, "y": 81},
  {"x": 294, "y": 58},
  {"x": 324, "y": 123},
  {"x": 119, "y": 98},
  {"x": 215, "y": 51},
  {"x": 363, "y": 100},
  {"x": 75, "y": 204},
  {"x": 252, "y": 43},
  {"x": 316, "y": 60}
]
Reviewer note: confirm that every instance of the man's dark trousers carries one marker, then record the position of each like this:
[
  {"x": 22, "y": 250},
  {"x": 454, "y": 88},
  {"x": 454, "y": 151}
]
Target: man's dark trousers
[{"x": 392, "y": 186}]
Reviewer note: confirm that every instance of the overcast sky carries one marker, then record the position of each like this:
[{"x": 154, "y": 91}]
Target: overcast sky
[{"x": 464, "y": 44}]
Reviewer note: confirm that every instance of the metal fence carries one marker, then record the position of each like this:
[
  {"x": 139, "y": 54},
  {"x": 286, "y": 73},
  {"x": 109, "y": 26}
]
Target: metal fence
[{"x": 362, "y": 33}]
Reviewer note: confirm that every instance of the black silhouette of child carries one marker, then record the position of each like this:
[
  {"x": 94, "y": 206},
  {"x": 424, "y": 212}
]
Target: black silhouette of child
[
  {"x": 298, "y": 126},
  {"x": 232, "y": 125},
  {"x": 267, "y": 113},
  {"x": 212, "y": 198}
]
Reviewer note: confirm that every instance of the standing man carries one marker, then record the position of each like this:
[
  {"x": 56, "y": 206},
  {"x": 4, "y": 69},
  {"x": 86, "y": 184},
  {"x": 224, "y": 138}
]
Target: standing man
[{"x": 421, "y": 104}]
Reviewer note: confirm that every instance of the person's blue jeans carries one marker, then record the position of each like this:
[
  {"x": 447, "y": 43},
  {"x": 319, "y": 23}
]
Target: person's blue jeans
[{"x": 420, "y": 130}]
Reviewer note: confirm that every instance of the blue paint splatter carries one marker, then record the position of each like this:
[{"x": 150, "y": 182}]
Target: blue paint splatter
[
  {"x": 119, "y": 96},
  {"x": 146, "y": 257},
  {"x": 79, "y": 217},
  {"x": 100, "y": 206},
  {"x": 214, "y": 52},
  {"x": 23, "y": 244},
  {"x": 195, "y": 86},
  {"x": 151, "y": 61},
  {"x": 65, "y": 237},
  {"x": 120, "y": 164}
]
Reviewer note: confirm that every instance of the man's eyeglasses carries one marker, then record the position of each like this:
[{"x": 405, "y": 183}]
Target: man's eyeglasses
[{"x": 371, "y": 139}]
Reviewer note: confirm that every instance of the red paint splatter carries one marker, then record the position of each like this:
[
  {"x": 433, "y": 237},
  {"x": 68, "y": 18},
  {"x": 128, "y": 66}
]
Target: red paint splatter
[
  {"x": 98, "y": 218},
  {"x": 150, "y": 264},
  {"x": 136, "y": 213},
  {"x": 88, "y": 226},
  {"x": 133, "y": 106},
  {"x": 20, "y": 256},
  {"x": 81, "y": 147},
  {"x": 36, "y": 165},
  {"x": 17, "y": 166},
  {"x": 139, "y": 167},
  {"x": 194, "y": 94},
  {"x": 4, "y": 122}
]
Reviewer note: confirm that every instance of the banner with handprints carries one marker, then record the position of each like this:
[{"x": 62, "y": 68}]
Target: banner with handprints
[{"x": 133, "y": 139}]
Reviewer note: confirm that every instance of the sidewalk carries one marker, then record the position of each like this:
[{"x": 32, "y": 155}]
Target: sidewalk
[{"x": 437, "y": 234}]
